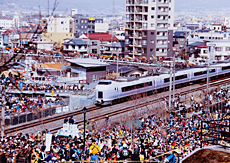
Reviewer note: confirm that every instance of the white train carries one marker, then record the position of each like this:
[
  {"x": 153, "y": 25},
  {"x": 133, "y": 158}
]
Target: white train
[{"x": 108, "y": 91}]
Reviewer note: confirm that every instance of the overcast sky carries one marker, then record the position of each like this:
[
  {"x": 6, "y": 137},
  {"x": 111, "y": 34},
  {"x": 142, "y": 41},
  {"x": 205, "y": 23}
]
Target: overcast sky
[{"x": 105, "y": 6}]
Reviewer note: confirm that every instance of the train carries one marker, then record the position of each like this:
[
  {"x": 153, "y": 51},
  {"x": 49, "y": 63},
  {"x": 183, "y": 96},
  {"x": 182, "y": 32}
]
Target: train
[{"x": 111, "y": 91}]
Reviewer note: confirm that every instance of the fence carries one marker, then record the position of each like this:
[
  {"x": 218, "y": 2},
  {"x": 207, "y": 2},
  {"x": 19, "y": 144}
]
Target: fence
[
  {"x": 215, "y": 132},
  {"x": 23, "y": 156},
  {"x": 17, "y": 118}
]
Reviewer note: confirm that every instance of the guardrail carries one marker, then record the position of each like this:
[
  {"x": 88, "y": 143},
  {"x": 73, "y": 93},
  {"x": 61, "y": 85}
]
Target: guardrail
[{"x": 18, "y": 118}]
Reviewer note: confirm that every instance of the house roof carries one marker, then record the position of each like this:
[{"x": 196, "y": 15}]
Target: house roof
[
  {"x": 101, "y": 36},
  {"x": 180, "y": 34},
  {"x": 87, "y": 62},
  {"x": 123, "y": 69},
  {"x": 118, "y": 45},
  {"x": 74, "y": 42},
  {"x": 196, "y": 44}
]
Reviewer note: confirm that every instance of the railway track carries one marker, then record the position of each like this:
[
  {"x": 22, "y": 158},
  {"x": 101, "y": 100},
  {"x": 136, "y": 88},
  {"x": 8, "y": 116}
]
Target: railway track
[{"x": 94, "y": 108}]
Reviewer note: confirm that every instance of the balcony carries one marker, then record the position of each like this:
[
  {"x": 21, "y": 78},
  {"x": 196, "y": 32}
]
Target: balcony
[
  {"x": 162, "y": 13},
  {"x": 162, "y": 54},
  {"x": 162, "y": 37},
  {"x": 162, "y": 29},
  {"x": 162, "y": 21},
  {"x": 163, "y": 4},
  {"x": 161, "y": 46}
]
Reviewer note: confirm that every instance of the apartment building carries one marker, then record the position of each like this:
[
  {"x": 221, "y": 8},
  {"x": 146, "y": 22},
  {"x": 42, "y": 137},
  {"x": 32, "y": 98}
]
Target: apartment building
[
  {"x": 57, "y": 29},
  {"x": 85, "y": 24},
  {"x": 149, "y": 28}
]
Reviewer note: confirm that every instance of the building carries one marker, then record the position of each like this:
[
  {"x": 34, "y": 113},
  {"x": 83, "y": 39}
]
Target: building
[
  {"x": 115, "y": 49},
  {"x": 93, "y": 45},
  {"x": 179, "y": 41},
  {"x": 104, "y": 38},
  {"x": 87, "y": 70},
  {"x": 149, "y": 28},
  {"x": 57, "y": 29},
  {"x": 126, "y": 71},
  {"x": 75, "y": 45},
  {"x": 85, "y": 24},
  {"x": 6, "y": 22}
]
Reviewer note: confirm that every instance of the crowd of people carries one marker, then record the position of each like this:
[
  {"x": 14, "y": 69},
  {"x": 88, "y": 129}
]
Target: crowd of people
[
  {"x": 149, "y": 141},
  {"x": 155, "y": 139}
]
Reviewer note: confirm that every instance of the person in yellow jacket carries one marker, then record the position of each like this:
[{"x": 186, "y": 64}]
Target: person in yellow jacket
[{"x": 94, "y": 151}]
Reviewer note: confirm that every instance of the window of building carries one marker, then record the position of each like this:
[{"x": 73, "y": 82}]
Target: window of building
[
  {"x": 152, "y": 24},
  {"x": 94, "y": 77},
  {"x": 152, "y": 16},
  {"x": 218, "y": 49},
  {"x": 71, "y": 30},
  {"x": 144, "y": 42},
  {"x": 169, "y": 8},
  {"x": 70, "y": 22},
  {"x": 62, "y": 22},
  {"x": 151, "y": 50},
  {"x": 86, "y": 21},
  {"x": 153, "y": 8},
  {"x": 66, "y": 34},
  {"x": 153, "y": 0},
  {"x": 152, "y": 42},
  {"x": 152, "y": 33},
  {"x": 227, "y": 48},
  {"x": 85, "y": 26}
]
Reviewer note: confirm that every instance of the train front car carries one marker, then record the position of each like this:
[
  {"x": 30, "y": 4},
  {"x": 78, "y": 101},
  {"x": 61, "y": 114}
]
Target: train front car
[{"x": 104, "y": 92}]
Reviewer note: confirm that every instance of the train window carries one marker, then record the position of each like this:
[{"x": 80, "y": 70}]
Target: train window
[
  {"x": 142, "y": 85},
  {"x": 104, "y": 83},
  {"x": 166, "y": 80},
  {"x": 36, "y": 78},
  {"x": 212, "y": 70},
  {"x": 181, "y": 77},
  {"x": 115, "y": 88},
  {"x": 226, "y": 68},
  {"x": 200, "y": 73},
  {"x": 43, "y": 79},
  {"x": 100, "y": 94}
]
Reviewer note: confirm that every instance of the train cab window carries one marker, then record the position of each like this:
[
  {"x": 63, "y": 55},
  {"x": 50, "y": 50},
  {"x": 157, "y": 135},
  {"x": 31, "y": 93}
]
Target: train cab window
[
  {"x": 100, "y": 94},
  {"x": 104, "y": 83}
]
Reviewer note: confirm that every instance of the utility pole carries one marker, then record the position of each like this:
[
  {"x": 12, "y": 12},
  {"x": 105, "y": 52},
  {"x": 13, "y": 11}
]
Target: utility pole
[
  {"x": 170, "y": 88},
  {"x": 2, "y": 103},
  {"x": 174, "y": 78}
]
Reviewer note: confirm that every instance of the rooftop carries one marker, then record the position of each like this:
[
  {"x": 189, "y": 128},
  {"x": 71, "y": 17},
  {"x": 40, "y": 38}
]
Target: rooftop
[
  {"x": 74, "y": 41},
  {"x": 101, "y": 36},
  {"x": 87, "y": 62}
]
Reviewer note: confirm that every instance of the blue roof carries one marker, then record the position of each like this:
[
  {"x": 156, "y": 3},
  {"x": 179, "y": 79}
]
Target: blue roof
[
  {"x": 195, "y": 43},
  {"x": 74, "y": 41}
]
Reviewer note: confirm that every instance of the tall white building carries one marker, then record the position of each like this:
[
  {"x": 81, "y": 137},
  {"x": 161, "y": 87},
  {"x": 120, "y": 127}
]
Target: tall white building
[
  {"x": 149, "y": 28},
  {"x": 6, "y": 22}
]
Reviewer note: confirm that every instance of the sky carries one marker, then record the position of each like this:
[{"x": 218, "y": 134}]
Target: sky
[{"x": 105, "y": 6}]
